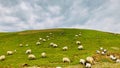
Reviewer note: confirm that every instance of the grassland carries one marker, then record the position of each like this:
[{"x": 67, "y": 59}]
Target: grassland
[{"x": 91, "y": 40}]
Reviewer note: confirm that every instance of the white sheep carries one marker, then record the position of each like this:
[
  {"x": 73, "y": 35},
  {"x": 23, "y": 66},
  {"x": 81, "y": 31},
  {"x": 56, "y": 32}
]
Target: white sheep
[
  {"x": 51, "y": 44},
  {"x": 103, "y": 53},
  {"x": 78, "y": 42},
  {"x": 82, "y": 61},
  {"x": 113, "y": 57},
  {"x": 9, "y": 52},
  {"x": 80, "y": 47},
  {"x": 97, "y": 51},
  {"x": 40, "y": 39},
  {"x": 43, "y": 55},
  {"x": 26, "y": 45},
  {"x": 31, "y": 56},
  {"x": 29, "y": 51},
  {"x": 2, "y": 57},
  {"x": 47, "y": 36},
  {"x": 44, "y": 40},
  {"x": 55, "y": 45},
  {"x": 38, "y": 43},
  {"x": 105, "y": 50},
  {"x": 58, "y": 67},
  {"x": 101, "y": 48},
  {"x": 90, "y": 60},
  {"x": 118, "y": 61},
  {"x": 65, "y": 48},
  {"x": 76, "y": 35},
  {"x": 65, "y": 59},
  {"x": 88, "y": 65},
  {"x": 21, "y": 45},
  {"x": 50, "y": 33},
  {"x": 79, "y": 34}
]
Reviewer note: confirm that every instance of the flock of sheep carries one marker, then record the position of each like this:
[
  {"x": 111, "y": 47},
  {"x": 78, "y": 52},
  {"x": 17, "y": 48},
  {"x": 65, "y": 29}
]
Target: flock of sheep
[
  {"x": 111, "y": 56},
  {"x": 88, "y": 62}
]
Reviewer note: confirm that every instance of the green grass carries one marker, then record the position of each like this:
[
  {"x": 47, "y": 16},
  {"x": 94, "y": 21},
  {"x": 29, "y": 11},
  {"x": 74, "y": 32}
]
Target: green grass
[{"x": 91, "y": 40}]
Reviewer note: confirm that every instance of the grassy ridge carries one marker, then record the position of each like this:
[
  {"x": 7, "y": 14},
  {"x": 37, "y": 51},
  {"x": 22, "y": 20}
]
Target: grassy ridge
[{"x": 91, "y": 40}]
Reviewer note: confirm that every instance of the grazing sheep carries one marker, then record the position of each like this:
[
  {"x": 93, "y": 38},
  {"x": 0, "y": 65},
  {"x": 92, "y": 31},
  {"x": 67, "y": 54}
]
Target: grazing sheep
[
  {"x": 31, "y": 57},
  {"x": 44, "y": 40},
  {"x": 105, "y": 50},
  {"x": 113, "y": 57},
  {"x": 9, "y": 52},
  {"x": 29, "y": 51},
  {"x": 101, "y": 48},
  {"x": 47, "y": 36},
  {"x": 2, "y": 57},
  {"x": 103, "y": 53},
  {"x": 43, "y": 55},
  {"x": 78, "y": 42},
  {"x": 38, "y": 43},
  {"x": 51, "y": 44},
  {"x": 65, "y": 59},
  {"x": 58, "y": 67},
  {"x": 21, "y": 45},
  {"x": 79, "y": 34},
  {"x": 118, "y": 61},
  {"x": 65, "y": 48},
  {"x": 97, "y": 51},
  {"x": 26, "y": 45},
  {"x": 88, "y": 65},
  {"x": 90, "y": 60},
  {"x": 55, "y": 45},
  {"x": 50, "y": 33},
  {"x": 76, "y": 35},
  {"x": 80, "y": 47},
  {"x": 82, "y": 61},
  {"x": 40, "y": 39}
]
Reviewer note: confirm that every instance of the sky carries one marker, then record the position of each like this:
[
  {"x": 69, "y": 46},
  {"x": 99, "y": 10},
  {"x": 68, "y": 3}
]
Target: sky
[{"x": 19, "y": 15}]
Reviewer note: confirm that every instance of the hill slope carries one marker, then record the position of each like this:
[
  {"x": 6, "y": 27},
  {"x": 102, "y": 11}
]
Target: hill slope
[{"x": 91, "y": 40}]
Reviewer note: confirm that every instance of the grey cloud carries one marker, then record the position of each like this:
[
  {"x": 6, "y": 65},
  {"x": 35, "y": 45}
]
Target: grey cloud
[
  {"x": 9, "y": 3},
  {"x": 36, "y": 14}
]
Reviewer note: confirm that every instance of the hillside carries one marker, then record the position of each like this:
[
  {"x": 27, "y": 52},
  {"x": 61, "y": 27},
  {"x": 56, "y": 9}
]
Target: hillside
[{"x": 90, "y": 39}]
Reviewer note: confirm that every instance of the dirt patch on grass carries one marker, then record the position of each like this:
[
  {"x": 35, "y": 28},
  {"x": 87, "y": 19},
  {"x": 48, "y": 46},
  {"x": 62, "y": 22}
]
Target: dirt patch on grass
[
  {"x": 106, "y": 65},
  {"x": 98, "y": 65},
  {"x": 39, "y": 67},
  {"x": 36, "y": 31}
]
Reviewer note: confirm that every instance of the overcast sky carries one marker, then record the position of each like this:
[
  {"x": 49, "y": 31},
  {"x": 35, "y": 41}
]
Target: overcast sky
[{"x": 17, "y": 15}]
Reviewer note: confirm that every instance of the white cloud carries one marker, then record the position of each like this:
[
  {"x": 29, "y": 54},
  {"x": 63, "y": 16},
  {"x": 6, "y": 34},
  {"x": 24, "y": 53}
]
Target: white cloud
[
  {"x": 9, "y": 19},
  {"x": 101, "y": 14},
  {"x": 24, "y": 6},
  {"x": 49, "y": 23},
  {"x": 54, "y": 9},
  {"x": 103, "y": 18}
]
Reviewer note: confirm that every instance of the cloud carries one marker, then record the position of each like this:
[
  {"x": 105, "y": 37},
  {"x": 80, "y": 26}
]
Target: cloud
[
  {"x": 105, "y": 18},
  {"x": 17, "y": 15},
  {"x": 54, "y": 9}
]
